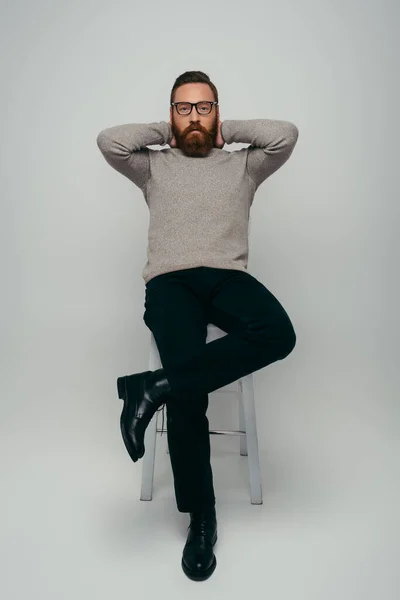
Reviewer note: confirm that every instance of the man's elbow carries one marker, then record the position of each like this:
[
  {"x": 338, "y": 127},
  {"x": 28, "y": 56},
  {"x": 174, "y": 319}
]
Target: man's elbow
[
  {"x": 102, "y": 140},
  {"x": 292, "y": 132}
]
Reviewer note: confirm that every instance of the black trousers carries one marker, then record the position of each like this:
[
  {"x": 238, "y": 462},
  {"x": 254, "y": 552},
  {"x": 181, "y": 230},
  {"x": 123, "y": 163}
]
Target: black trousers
[{"x": 178, "y": 307}]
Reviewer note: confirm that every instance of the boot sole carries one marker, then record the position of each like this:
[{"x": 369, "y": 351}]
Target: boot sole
[
  {"x": 135, "y": 388},
  {"x": 204, "y": 574}
]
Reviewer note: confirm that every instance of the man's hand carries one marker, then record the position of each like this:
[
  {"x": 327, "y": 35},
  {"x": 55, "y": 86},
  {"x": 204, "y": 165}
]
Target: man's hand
[
  {"x": 219, "y": 140},
  {"x": 173, "y": 140}
]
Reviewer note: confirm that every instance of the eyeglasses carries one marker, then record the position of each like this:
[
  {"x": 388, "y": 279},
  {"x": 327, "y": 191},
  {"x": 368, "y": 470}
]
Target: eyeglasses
[{"x": 185, "y": 108}]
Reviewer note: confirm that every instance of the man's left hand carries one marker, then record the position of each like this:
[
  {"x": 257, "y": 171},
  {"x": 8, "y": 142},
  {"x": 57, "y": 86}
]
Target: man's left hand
[{"x": 219, "y": 140}]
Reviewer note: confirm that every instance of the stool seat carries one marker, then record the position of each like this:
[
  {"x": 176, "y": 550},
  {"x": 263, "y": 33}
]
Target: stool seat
[{"x": 247, "y": 426}]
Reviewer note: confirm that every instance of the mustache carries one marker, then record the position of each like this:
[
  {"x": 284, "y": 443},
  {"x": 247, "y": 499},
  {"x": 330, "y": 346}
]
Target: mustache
[{"x": 202, "y": 130}]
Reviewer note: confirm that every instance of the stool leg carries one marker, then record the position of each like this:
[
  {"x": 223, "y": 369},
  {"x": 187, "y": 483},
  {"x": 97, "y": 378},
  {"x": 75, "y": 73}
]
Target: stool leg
[
  {"x": 242, "y": 425},
  {"x": 148, "y": 461},
  {"x": 247, "y": 388},
  {"x": 150, "y": 436},
  {"x": 166, "y": 427}
]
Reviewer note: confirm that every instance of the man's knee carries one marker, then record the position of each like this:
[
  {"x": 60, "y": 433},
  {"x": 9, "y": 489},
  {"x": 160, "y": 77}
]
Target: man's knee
[
  {"x": 280, "y": 336},
  {"x": 287, "y": 342}
]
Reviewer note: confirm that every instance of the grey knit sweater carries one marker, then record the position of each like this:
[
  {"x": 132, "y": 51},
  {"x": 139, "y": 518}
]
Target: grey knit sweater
[{"x": 199, "y": 207}]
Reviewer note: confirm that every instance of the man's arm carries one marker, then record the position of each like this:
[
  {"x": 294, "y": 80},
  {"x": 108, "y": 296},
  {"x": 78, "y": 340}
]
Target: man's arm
[
  {"x": 124, "y": 147},
  {"x": 271, "y": 143}
]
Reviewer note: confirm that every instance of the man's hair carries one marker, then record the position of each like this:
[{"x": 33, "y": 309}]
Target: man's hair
[{"x": 193, "y": 77}]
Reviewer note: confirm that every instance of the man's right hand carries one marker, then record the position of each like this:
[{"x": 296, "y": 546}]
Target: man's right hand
[{"x": 172, "y": 143}]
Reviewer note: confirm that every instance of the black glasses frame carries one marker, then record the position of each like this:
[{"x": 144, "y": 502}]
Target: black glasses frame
[{"x": 191, "y": 106}]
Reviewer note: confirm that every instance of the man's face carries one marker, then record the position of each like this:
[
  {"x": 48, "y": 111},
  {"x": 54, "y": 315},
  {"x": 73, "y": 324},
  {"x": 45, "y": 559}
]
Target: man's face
[{"x": 195, "y": 134}]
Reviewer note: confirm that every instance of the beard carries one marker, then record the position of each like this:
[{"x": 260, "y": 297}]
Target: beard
[{"x": 195, "y": 140}]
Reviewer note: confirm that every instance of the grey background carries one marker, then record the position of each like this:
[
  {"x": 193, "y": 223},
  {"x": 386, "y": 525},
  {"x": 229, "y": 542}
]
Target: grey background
[{"x": 324, "y": 240}]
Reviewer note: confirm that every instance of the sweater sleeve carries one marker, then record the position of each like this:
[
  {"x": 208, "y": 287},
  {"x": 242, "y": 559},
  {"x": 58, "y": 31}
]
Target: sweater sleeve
[
  {"x": 124, "y": 147},
  {"x": 271, "y": 144}
]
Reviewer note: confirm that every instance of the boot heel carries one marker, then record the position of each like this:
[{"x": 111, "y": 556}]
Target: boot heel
[{"x": 121, "y": 388}]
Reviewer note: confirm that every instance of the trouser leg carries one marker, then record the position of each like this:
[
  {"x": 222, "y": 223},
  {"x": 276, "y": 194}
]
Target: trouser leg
[
  {"x": 178, "y": 323},
  {"x": 259, "y": 333}
]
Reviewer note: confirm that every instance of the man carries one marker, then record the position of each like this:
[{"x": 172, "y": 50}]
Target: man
[{"x": 199, "y": 197}]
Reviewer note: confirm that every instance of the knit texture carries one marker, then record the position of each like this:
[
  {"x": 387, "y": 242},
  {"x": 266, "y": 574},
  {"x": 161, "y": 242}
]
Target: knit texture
[{"x": 199, "y": 207}]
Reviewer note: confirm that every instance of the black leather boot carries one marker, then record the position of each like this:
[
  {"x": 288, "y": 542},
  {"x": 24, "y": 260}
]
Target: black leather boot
[
  {"x": 143, "y": 394},
  {"x": 198, "y": 559}
]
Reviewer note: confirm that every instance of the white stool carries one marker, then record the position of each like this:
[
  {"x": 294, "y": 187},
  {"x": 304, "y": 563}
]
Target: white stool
[{"x": 247, "y": 426}]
